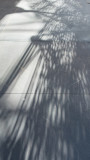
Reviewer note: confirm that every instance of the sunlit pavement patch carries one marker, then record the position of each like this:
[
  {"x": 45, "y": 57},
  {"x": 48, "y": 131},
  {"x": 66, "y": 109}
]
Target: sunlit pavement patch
[
  {"x": 18, "y": 26},
  {"x": 10, "y": 55}
]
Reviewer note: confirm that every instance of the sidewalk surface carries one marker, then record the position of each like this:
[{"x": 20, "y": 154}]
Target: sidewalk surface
[{"x": 44, "y": 80}]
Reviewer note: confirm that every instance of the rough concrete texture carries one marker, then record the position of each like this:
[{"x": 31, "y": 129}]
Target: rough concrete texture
[{"x": 44, "y": 80}]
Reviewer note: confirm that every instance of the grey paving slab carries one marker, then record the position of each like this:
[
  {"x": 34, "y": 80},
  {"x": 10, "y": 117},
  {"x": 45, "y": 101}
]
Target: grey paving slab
[
  {"x": 23, "y": 79},
  {"x": 45, "y": 102},
  {"x": 10, "y": 55},
  {"x": 20, "y": 26},
  {"x": 11, "y": 101},
  {"x": 47, "y": 127},
  {"x": 62, "y": 67}
]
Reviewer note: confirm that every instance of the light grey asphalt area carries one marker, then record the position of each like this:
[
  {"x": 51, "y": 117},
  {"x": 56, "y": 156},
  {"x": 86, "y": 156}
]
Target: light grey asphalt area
[{"x": 44, "y": 80}]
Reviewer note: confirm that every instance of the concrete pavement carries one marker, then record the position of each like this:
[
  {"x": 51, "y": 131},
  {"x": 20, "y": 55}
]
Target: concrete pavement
[{"x": 44, "y": 80}]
